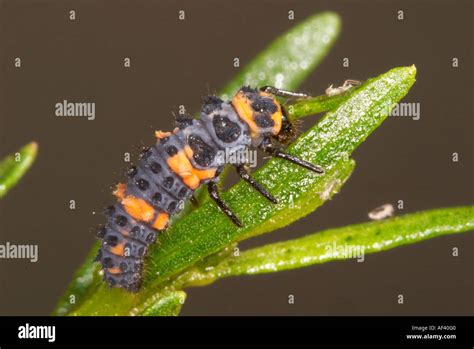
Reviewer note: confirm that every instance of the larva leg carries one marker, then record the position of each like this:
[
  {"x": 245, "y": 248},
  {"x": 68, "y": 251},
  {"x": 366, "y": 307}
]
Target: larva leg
[
  {"x": 276, "y": 152},
  {"x": 283, "y": 93},
  {"x": 244, "y": 173},
  {"x": 214, "y": 194}
]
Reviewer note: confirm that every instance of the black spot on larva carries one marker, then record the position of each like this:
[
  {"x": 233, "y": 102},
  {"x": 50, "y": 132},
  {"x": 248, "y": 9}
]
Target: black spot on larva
[
  {"x": 155, "y": 168},
  {"x": 142, "y": 251},
  {"x": 171, "y": 150},
  {"x": 101, "y": 231},
  {"x": 168, "y": 182},
  {"x": 182, "y": 193},
  {"x": 111, "y": 240},
  {"x": 248, "y": 89},
  {"x": 151, "y": 238},
  {"x": 121, "y": 220},
  {"x": 183, "y": 121},
  {"x": 226, "y": 130},
  {"x": 156, "y": 198},
  {"x": 123, "y": 267},
  {"x": 145, "y": 152},
  {"x": 135, "y": 231},
  {"x": 132, "y": 171},
  {"x": 264, "y": 104},
  {"x": 142, "y": 184},
  {"x": 263, "y": 120},
  {"x": 172, "y": 206},
  {"x": 203, "y": 153},
  {"x": 211, "y": 103},
  {"x": 107, "y": 262},
  {"x": 164, "y": 140}
]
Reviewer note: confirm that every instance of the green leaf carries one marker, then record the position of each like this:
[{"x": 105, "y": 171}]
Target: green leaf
[
  {"x": 85, "y": 281},
  {"x": 14, "y": 166},
  {"x": 288, "y": 60},
  {"x": 285, "y": 63},
  {"x": 167, "y": 305},
  {"x": 205, "y": 231},
  {"x": 316, "y": 105},
  {"x": 334, "y": 244}
]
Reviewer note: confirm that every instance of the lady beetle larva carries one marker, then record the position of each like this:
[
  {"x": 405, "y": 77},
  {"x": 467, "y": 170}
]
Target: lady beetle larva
[{"x": 180, "y": 162}]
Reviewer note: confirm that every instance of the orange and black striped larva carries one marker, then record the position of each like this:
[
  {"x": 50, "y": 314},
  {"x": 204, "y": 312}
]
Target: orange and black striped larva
[{"x": 180, "y": 162}]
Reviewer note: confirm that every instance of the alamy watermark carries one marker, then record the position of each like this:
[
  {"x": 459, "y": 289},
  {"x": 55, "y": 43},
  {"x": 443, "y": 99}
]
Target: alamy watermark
[
  {"x": 236, "y": 157},
  {"x": 15, "y": 251},
  {"x": 82, "y": 109},
  {"x": 345, "y": 251},
  {"x": 405, "y": 109}
]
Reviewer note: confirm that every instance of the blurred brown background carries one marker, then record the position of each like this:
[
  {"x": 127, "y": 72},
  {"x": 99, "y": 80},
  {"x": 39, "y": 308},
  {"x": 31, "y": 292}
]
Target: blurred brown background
[{"x": 177, "y": 63}]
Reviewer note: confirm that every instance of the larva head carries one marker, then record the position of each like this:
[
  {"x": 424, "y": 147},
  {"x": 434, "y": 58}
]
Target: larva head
[{"x": 260, "y": 111}]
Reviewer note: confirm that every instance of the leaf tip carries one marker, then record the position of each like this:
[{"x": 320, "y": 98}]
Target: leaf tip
[
  {"x": 331, "y": 19},
  {"x": 31, "y": 148}
]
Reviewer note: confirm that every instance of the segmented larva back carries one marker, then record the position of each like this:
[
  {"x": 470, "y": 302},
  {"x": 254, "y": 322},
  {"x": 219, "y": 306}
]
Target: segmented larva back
[{"x": 168, "y": 173}]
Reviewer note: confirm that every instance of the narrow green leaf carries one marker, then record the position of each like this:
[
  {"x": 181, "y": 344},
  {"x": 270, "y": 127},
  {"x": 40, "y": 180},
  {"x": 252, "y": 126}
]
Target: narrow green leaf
[
  {"x": 335, "y": 244},
  {"x": 288, "y": 60},
  {"x": 85, "y": 281},
  {"x": 167, "y": 305},
  {"x": 316, "y": 105},
  {"x": 14, "y": 166},
  {"x": 206, "y": 231}
]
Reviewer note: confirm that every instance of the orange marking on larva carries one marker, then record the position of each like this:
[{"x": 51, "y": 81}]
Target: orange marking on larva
[
  {"x": 277, "y": 116},
  {"x": 119, "y": 191},
  {"x": 192, "y": 181},
  {"x": 118, "y": 249},
  {"x": 138, "y": 208},
  {"x": 182, "y": 166},
  {"x": 188, "y": 151},
  {"x": 114, "y": 270},
  {"x": 277, "y": 119},
  {"x": 205, "y": 174},
  {"x": 242, "y": 106},
  {"x": 161, "y": 221},
  {"x": 161, "y": 134}
]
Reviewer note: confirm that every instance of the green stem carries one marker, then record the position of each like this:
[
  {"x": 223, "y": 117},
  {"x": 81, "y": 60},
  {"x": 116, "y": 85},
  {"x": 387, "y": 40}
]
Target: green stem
[{"x": 354, "y": 241}]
